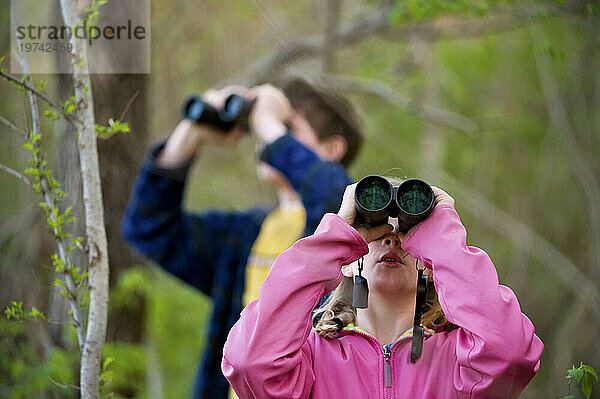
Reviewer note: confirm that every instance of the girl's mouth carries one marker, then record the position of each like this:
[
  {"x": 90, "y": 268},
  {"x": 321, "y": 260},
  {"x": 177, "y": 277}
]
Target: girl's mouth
[{"x": 391, "y": 258}]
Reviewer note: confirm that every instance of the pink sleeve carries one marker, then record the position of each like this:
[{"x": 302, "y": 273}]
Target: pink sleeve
[
  {"x": 265, "y": 354},
  {"x": 497, "y": 350}
]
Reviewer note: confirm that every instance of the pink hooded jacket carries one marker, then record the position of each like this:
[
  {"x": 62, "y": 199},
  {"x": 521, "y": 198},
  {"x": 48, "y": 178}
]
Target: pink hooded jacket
[{"x": 273, "y": 352}]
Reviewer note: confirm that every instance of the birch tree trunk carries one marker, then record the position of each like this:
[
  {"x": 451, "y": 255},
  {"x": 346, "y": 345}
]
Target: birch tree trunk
[{"x": 91, "y": 356}]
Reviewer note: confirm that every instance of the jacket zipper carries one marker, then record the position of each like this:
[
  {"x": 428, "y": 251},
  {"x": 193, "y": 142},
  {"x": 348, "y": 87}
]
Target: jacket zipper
[{"x": 387, "y": 367}]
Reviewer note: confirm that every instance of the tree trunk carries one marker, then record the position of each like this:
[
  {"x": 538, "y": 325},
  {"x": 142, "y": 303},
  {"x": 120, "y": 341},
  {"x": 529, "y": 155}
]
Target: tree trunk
[
  {"x": 121, "y": 96},
  {"x": 96, "y": 244}
]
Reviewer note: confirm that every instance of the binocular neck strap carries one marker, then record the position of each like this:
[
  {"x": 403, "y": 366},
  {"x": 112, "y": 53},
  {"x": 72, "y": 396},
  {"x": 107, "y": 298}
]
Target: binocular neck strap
[
  {"x": 360, "y": 292},
  {"x": 418, "y": 330}
]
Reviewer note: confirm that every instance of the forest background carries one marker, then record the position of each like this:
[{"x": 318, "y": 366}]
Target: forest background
[{"x": 495, "y": 101}]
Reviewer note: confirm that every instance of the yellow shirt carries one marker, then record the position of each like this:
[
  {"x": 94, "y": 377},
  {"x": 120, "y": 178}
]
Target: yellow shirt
[{"x": 281, "y": 228}]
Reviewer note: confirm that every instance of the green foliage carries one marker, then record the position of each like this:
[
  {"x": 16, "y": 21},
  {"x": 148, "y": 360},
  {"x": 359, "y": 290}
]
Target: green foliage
[
  {"x": 93, "y": 12},
  {"x": 69, "y": 105},
  {"x": 177, "y": 316},
  {"x": 15, "y": 311},
  {"x": 44, "y": 183},
  {"x": 106, "y": 373},
  {"x": 132, "y": 289},
  {"x": 114, "y": 126},
  {"x": 417, "y": 10},
  {"x": 23, "y": 375},
  {"x": 584, "y": 375},
  {"x": 42, "y": 86},
  {"x": 123, "y": 373},
  {"x": 51, "y": 115}
]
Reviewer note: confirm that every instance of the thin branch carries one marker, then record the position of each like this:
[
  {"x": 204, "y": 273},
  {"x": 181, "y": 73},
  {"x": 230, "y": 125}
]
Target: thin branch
[
  {"x": 49, "y": 197},
  {"x": 40, "y": 95},
  {"x": 12, "y": 126},
  {"x": 332, "y": 21},
  {"x": 64, "y": 386},
  {"x": 381, "y": 89},
  {"x": 134, "y": 96},
  {"x": 379, "y": 23},
  {"x": 18, "y": 175}
]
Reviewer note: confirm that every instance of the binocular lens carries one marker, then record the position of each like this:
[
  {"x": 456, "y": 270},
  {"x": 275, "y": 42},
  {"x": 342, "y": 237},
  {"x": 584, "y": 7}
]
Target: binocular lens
[
  {"x": 374, "y": 195},
  {"x": 233, "y": 106},
  {"x": 194, "y": 110},
  {"x": 414, "y": 197}
]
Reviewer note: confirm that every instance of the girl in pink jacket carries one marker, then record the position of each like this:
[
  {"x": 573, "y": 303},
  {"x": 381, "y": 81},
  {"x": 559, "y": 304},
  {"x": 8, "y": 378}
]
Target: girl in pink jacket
[{"x": 478, "y": 344}]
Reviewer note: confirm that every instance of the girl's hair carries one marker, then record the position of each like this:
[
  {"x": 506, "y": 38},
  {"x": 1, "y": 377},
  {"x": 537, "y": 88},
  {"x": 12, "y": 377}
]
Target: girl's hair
[{"x": 338, "y": 312}]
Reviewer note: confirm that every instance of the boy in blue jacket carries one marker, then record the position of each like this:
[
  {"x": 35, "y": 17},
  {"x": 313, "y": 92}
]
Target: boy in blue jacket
[{"x": 307, "y": 136}]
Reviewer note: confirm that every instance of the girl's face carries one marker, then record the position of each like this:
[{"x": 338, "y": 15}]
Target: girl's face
[{"x": 387, "y": 267}]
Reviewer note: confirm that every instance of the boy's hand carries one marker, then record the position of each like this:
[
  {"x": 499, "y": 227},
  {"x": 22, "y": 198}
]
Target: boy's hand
[
  {"x": 189, "y": 137},
  {"x": 270, "y": 113}
]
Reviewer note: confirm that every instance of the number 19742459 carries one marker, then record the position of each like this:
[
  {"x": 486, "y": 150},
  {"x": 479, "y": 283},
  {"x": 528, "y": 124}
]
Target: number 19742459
[{"x": 45, "y": 47}]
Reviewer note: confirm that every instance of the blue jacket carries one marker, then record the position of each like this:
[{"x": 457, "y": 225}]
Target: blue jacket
[{"x": 209, "y": 250}]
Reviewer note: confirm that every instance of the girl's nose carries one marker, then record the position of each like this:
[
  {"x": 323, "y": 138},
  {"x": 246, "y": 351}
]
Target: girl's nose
[{"x": 391, "y": 240}]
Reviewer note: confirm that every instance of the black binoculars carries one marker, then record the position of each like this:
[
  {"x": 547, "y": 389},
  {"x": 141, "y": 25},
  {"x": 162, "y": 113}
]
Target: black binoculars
[
  {"x": 235, "y": 112},
  {"x": 376, "y": 199}
]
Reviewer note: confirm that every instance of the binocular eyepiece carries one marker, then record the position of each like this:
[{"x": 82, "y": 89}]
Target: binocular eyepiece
[
  {"x": 376, "y": 199},
  {"x": 235, "y": 112}
]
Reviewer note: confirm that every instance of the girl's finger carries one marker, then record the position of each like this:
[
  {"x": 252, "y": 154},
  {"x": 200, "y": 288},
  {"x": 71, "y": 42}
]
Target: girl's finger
[{"x": 374, "y": 233}]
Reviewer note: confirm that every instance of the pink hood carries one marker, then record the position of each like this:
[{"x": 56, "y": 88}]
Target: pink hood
[{"x": 272, "y": 351}]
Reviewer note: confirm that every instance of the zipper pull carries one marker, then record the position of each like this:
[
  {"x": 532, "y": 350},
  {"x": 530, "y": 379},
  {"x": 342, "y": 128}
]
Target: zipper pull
[{"x": 387, "y": 367}]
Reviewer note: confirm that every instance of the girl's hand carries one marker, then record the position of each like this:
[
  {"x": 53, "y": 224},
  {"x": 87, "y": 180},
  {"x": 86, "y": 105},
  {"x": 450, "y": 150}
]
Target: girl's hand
[
  {"x": 440, "y": 198},
  {"x": 348, "y": 213}
]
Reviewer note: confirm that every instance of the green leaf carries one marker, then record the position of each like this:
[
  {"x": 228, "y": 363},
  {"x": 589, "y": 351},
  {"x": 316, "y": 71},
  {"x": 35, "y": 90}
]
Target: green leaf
[
  {"x": 69, "y": 108},
  {"x": 107, "y": 362},
  {"x": 590, "y": 370},
  {"x": 50, "y": 114},
  {"x": 586, "y": 385},
  {"x": 27, "y": 146},
  {"x": 42, "y": 86},
  {"x": 576, "y": 373},
  {"x": 33, "y": 172},
  {"x": 122, "y": 127}
]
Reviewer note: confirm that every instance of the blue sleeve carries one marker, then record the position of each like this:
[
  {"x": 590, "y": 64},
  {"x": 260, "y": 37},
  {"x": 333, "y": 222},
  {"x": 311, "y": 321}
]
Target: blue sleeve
[
  {"x": 190, "y": 246},
  {"x": 321, "y": 184}
]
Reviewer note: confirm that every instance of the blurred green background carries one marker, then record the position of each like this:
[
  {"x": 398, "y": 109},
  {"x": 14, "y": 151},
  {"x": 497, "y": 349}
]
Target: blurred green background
[{"x": 497, "y": 102}]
